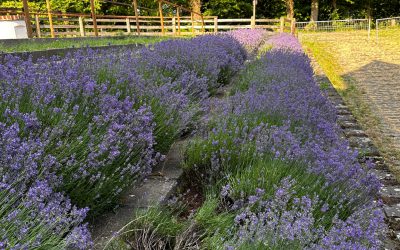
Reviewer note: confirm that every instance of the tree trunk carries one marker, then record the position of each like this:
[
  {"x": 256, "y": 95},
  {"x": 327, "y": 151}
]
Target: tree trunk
[
  {"x": 196, "y": 7},
  {"x": 290, "y": 8},
  {"x": 314, "y": 10},
  {"x": 334, "y": 5}
]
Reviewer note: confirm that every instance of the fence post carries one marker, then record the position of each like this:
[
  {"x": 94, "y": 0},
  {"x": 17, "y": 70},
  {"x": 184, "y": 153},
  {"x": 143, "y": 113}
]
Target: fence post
[
  {"x": 282, "y": 26},
  {"x": 293, "y": 26},
  {"x": 27, "y": 18},
  {"x": 192, "y": 19},
  {"x": 50, "y": 18},
  {"x": 253, "y": 22},
  {"x": 178, "y": 15},
  {"x": 161, "y": 17},
  {"x": 37, "y": 22},
  {"x": 369, "y": 28},
  {"x": 203, "y": 25},
  {"x": 215, "y": 24},
  {"x": 128, "y": 25},
  {"x": 174, "y": 26},
  {"x": 81, "y": 26},
  {"x": 377, "y": 30},
  {"x": 393, "y": 22},
  {"x": 135, "y": 7},
  {"x": 96, "y": 33}
]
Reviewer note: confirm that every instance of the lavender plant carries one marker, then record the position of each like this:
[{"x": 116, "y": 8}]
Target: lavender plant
[
  {"x": 273, "y": 155},
  {"x": 75, "y": 131}
]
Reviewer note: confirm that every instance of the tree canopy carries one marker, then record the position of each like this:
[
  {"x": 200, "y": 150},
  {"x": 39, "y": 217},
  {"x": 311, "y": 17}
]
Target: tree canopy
[{"x": 326, "y": 9}]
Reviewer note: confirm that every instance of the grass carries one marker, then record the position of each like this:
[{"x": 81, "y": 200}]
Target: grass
[
  {"x": 155, "y": 225},
  {"x": 338, "y": 54},
  {"x": 32, "y": 45}
]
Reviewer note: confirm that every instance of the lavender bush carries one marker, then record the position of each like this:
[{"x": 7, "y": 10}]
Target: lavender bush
[
  {"x": 75, "y": 131},
  {"x": 274, "y": 152},
  {"x": 251, "y": 39}
]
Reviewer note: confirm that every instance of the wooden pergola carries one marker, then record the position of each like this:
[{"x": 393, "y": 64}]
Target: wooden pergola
[{"x": 93, "y": 16}]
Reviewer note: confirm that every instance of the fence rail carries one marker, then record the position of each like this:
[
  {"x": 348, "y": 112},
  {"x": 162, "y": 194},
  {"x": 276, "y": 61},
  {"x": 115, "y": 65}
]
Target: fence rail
[
  {"x": 386, "y": 24},
  {"x": 83, "y": 25},
  {"x": 334, "y": 25}
]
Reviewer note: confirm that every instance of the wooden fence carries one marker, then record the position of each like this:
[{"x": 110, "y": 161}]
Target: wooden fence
[{"x": 69, "y": 25}]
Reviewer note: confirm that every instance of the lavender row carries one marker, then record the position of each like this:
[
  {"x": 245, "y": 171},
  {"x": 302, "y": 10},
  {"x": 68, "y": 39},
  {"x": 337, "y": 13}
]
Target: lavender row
[
  {"x": 75, "y": 131},
  {"x": 284, "y": 171}
]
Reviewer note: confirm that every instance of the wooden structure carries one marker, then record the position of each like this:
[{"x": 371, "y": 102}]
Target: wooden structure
[{"x": 53, "y": 24}]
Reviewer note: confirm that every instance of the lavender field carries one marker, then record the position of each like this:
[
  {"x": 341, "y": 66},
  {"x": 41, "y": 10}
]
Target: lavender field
[{"x": 267, "y": 162}]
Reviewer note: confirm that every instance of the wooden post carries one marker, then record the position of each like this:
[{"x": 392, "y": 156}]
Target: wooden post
[
  {"x": 128, "y": 25},
  {"x": 161, "y": 17},
  {"x": 293, "y": 26},
  {"x": 135, "y": 7},
  {"x": 81, "y": 26},
  {"x": 191, "y": 18},
  {"x": 37, "y": 22},
  {"x": 174, "y": 26},
  {"x": 215, "y": 24},
  {"x": 178, "y": 15},
  {"x": 96, "y": 33},
  {"x": 50, "y": 18},
  {"x": 253, "y": 22},
  {"x": 203, "y": 26},
  {"x": 27, "y": 18},
  {"x": 393, "y": 22},
  {"x": 282, "y": 26}
]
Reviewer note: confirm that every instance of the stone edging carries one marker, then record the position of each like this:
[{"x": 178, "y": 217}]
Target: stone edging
[
  {"x": 156, "y": 189},
  {"x": 359, "y": 140}
]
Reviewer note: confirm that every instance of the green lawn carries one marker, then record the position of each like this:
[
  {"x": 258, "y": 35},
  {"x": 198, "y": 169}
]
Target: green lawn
[{"x": 32, "y": 45}]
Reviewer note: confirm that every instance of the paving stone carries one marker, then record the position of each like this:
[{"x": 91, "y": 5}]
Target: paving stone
[
  {"x": 155, "y": 190},
  {"x": 354, "y": 133},
  {"x": 385, "y": 176},
  {"x": 348, "y": 117},
  {"x": 390, "y": 195},
  {"x": 343, "y": 111},
  {"x": 348, "y": 125},
  {"x": 392, "y": 211}
]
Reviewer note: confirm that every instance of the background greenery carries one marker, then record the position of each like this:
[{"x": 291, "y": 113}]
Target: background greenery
[{"x": 328, "y": 9}]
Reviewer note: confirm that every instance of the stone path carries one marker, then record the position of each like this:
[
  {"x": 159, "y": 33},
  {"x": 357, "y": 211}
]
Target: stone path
[
  {"x": 375, "y": 68},
  {"x": 156, "y": 189}
]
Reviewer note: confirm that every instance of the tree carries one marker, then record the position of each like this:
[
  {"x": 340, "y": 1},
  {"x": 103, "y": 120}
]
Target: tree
[
  {"x": 289, "y": 8},
  {"x": 228, "y": 8},
  {"x": 195, "y": 5},
  {"x": 314, "y": 10}
]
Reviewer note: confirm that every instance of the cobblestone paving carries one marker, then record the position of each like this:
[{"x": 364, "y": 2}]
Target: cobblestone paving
[{"x": 376, "y": 69}]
